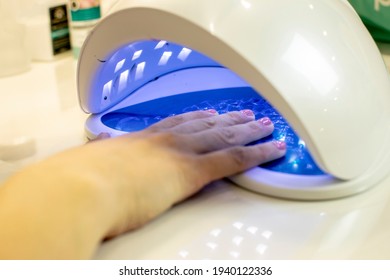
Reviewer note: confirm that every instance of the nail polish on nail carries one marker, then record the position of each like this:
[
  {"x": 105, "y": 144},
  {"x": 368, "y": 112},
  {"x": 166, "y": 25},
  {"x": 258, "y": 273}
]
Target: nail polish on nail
[
  {"x": 212, "y": 111},
  {"x": 281, "y": 145},
  {"x": 265, "y": 121},
  {"x": 248, "y": 113}
]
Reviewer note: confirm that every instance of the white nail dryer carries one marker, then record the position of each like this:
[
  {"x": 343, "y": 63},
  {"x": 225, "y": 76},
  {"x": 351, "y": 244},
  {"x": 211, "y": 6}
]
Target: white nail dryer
[{"x": 310, "y": 65}]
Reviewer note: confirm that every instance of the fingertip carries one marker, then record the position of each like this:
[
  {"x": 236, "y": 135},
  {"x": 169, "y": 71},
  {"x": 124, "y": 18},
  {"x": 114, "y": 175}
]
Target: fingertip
[
  {"x": 280, "y": 149},
  {"x": 265, "y": 121},
  {"x": 280, "y": 145},
  {"x": 212, "y": 111},
  {"x": 248, "y": 113}
]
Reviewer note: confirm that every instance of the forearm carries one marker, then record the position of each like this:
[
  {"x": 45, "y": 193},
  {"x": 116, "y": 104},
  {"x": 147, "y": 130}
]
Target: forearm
[
  {"x": 63, "y": 207},
  {"x": 59, "y": 208}
]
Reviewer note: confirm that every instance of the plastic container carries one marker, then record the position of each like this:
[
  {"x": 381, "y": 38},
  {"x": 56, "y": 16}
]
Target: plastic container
[
  {"x": 376, "y": 16},
  {"x": 14, "y": 53},
  {"x": 48, "y": 34},
  {"x": 84, "y": 15}
]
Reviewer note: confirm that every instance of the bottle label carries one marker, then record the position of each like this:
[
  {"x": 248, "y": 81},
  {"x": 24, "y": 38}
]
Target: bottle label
[
  {"x": 83, "y": 10},
  {"x": 59, "y": 27}
]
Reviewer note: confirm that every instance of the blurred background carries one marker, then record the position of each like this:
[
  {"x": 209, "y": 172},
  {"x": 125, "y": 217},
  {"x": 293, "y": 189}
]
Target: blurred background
[
  {"x": 42, "y": 30},
  {"x": 376, "y": 16}
]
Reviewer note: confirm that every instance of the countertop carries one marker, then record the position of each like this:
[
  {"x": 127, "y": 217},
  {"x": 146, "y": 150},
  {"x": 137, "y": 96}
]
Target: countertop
[{"x": 40, "y": 112}]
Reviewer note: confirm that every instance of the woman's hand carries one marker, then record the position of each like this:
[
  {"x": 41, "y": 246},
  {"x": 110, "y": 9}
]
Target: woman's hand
[
  {"x": 176, "y": 157},
  {"x": 66, "y": 205}
]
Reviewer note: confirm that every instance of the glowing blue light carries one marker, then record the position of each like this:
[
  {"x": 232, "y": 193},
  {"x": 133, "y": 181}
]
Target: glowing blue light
[
  {"x": 160, "y": 58},
  {"x": 123, "y": 80},
  {"x": 160, "y": 44},
  {"x": 139, "y": 73},
  {"x": 136, "y": 55},
  {"x": 140, "y": 116},
  {"x": 185, "y": 52},
  {"x": 119, "y": 65},
  {"x": 165, "y": 58}
]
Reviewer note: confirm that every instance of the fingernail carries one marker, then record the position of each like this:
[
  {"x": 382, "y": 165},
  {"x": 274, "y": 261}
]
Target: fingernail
[
  {"x": 265, "y": 121},
  {"x": 248, "y": 113},
  {"x": 281, "y": 145},
  {"x": 212, "y": 111}
]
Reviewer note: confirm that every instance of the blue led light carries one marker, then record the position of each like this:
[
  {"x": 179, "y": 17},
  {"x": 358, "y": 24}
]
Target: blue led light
[
  {"x": 139, "y": 63},
  {"x": 140, "y": 116},
  {"x": 134, "y": 65}
]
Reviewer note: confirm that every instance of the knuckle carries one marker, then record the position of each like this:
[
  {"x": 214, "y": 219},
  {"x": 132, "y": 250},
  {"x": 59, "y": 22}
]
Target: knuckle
[
  {"x": 209, "y": 123},
  {"x": 254, "y": 126},
  {"x": 257, "y": 130},
  {"x": 235, "y": 116},
  {"x": 239, "y": 157},
  {"x": 201, "y": 114},
  {"x": 153, "y": 129},
  {"x": 176, "y": 120},
  {"x": 168, "y": 138},
  {"x": 227, "y": 136}
]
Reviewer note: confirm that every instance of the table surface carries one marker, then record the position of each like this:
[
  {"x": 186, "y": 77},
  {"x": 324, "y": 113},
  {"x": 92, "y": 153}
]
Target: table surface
[{"x": 223, "y": 221}]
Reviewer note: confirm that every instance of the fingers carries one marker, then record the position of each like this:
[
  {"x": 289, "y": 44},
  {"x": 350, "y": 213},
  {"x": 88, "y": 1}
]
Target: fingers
[
  {"x": 228, "y": 119},
  {"x": 173, "y": 121},
  {"x": 228, "y": 162},
  {"x": 225, "y": 137}
]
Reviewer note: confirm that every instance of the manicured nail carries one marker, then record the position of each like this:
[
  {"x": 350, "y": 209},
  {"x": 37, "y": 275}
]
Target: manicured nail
[
  {"x": 281, "y": 145},
  {"x": 248, "y": 113},
  {"x": 265, "y": 121},
  {"x": 212, "y": 111}
]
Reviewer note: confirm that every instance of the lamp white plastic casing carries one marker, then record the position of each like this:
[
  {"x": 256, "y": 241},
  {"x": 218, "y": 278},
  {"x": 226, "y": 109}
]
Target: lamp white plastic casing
[{"x": 313, "y": 60}]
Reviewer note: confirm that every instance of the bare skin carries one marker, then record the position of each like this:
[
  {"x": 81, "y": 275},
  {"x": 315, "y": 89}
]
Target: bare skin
[{"x": 64, "y": 206}]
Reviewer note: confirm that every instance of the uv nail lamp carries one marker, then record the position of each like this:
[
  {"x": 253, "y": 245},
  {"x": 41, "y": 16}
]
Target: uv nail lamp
[{"x": 310, "y": 65}]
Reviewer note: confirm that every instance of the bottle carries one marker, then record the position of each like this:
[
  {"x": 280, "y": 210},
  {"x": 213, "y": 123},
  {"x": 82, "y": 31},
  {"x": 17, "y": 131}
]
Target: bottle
[
  {"x": 14, "y": 53},
  {"x": 47, "y": 25},
  {"x": 84, "y": 14}
]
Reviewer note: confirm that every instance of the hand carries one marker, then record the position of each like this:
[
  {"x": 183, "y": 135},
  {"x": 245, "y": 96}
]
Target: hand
[
  {"x": 64, "y": 206},
  {"x": 173, "y": 159}
]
